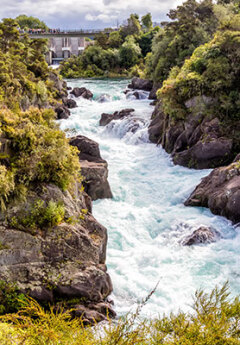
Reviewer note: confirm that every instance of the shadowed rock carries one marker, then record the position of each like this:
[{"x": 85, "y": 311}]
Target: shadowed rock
[
  {"x": 69, "y": 103},
  {"x": 219, "y": 191},
  {"x": 62, "y": 112},
  {"x": 82, "y": 91},
  {"x": 141, "y": 84},
  {"x": 117, "y": 115},
  {"x": 94, "y": 169}
]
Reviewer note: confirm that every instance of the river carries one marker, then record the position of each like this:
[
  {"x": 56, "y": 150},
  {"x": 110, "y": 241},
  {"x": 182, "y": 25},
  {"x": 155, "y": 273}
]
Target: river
[{"x": 146, "y": 219}]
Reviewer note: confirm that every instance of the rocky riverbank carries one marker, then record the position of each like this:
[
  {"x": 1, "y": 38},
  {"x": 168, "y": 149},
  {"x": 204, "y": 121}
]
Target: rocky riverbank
[{"x": 200, "y": 141}]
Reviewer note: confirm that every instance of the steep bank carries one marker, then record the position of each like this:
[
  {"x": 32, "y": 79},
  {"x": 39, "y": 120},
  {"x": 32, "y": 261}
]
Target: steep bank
[{"x": 51, "y": 246}]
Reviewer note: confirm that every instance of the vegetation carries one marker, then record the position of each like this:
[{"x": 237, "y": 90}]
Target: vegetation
[
  {"x": 40, "y": 216},
  {"x": 214, "y": 321},
  {"x": 115, "y": 54},
  {"x": 26, "y": 22},
  {"x": 212, "y": 71},
  {"x": 33, "y": 149}
]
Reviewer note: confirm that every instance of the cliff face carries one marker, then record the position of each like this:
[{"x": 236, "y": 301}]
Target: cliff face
[
  {"x": 199, "y": 141},
  {"x": 65, "y": 262}
]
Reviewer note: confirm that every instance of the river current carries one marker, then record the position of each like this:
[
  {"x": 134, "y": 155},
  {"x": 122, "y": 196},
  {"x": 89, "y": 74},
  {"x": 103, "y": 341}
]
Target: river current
[{"x": 146, "y": 219}]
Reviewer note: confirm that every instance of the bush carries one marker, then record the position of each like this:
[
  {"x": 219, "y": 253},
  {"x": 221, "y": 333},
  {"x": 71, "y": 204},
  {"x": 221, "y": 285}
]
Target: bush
[
  {"x": 41, "y": 215},
  {"x": 214, "y": 321},
  {"x": 40, "y": 152}
]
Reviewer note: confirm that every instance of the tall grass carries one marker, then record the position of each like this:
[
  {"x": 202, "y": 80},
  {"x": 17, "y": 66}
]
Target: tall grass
[{"x": 215, "y": 320}]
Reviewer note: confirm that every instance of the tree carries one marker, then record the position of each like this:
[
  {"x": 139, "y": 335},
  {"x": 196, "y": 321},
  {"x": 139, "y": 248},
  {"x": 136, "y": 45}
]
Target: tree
[
  {"x": 129, "y": 53},
  {"x": 145, "y": 42},
  {"x": 9, "y": 34},
  {"x": 115, "y": 39},
  {"x": 26, "y": 22},
  {"x": 102, "y": 40},
  {"x": 133, "y": 27},
  {"x": 147, "y": 22}
]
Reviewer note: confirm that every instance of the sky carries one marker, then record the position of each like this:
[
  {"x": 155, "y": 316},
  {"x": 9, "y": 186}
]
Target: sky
[{"x": 86, "y": 14}]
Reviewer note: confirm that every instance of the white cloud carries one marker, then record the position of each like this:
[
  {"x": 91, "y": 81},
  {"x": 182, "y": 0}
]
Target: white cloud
[{"x": 85, "y": 13}]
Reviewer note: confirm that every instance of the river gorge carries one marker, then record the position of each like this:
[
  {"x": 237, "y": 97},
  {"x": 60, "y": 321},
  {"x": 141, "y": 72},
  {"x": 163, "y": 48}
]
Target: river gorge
[{"x": 146, "y": 218}]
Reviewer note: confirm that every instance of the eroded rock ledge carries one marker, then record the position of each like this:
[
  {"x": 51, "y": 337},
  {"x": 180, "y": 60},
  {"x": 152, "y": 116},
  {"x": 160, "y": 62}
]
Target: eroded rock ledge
[
  {"x": 94, "y": 169},
  {"x": 64, "y": 263},
  {"x": 199, "y": 141},
  {"x": 220, "y": 192}
]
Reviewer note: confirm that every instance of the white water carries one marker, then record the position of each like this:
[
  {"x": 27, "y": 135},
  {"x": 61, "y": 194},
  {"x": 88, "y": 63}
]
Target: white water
[{"x": 146, "y": 219}]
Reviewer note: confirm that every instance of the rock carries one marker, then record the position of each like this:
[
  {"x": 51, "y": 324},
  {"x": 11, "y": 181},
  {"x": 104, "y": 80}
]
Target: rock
[
  {"x": 69, "y": 103},
  {"x": 153, "y": 92},
  {"x": 104, "y": 98},
  {"x": 220, "y": 192},
  {"x": 201, "y": 235},
  {"x": 62, "y": 112},
  {"x": 205, "y": 154},
  {"x": 138, "y": 94},
  {"x": 82, "y": 91},
  {"x": 94, "y": 169},
  {"x": 65, "y": 261},
  {"x": 198, "y": 141},
  {"x": 117, "y": 115},
  {"x": 69, "y": 88},
  {"x": 141, "y": 84},
  {"x": 95, "y": 180},
  {"x": 105, "y": 119},
  {"x": 89, "y": 149}
]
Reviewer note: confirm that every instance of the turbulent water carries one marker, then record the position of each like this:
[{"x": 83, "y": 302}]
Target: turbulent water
[{"x": 146, "y": 219}]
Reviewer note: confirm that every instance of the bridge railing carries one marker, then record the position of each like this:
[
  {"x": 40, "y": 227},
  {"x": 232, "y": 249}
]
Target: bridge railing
[{"x": 66, "y": 32}]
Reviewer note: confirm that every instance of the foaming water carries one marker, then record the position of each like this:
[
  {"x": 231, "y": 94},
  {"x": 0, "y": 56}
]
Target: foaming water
[{"x": 146, "y": 219}]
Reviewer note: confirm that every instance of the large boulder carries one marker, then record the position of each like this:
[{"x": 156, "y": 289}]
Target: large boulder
[
  {"x": 62, "y": 112},
  {"x": 202, "y": 235},
  {"x": 82, "y": 91},
  {"x": 88, "y": 149},
  {"x": 69, "y": 103},
  {"x": 95, "y": 180},
  {"x": 64, "y": 262},
  {"x": 117, "y": 115},
  {"x": 219, "y": 191},
  {"x": 94, "y": 169},
  {"x": 141, "y": 84}
]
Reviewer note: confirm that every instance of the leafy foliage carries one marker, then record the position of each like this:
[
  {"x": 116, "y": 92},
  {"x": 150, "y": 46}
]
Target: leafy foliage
[
  {"x": 214, "y": 321},
  {"x": 213, "y": 71},
  {"x": 30, "y": 22},
  {"x": 40, "y": 216}
]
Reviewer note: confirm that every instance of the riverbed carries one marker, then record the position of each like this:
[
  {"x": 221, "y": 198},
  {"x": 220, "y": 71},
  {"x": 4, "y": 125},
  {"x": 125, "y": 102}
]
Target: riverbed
[{"x": 146, "y": 219}]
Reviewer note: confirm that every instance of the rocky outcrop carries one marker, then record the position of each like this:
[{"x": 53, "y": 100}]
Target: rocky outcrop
[
  {"x": 93, "y": 168},
  {"x": 65, "y": 262},
  {"x": 62, "y": 112},
  {"x": 220, "y": 192},
  {"x": 69, "y": 103},
  {"x": 141, "y": 84},
  {"x": 202, "y": 235},
  {"x": 117, "y": 115},
  {"x": 82, "y": 91},
  {"x": 153, "y": 92},
  {"x": 197, "y": 141},
  {"x": 59, "y": 85}
]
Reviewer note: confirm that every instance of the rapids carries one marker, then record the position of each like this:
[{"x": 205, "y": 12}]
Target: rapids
[{"x": 146, "y": 219}]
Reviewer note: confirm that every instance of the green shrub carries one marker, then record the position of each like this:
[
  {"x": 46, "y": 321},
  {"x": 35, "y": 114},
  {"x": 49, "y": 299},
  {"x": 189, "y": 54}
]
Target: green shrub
[
  {"x": 11, "y": 300},
  {"x": 41, "y": 215}
]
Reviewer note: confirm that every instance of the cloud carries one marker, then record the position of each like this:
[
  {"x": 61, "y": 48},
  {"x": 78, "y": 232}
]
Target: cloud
[{"x": 85, "y": 13}]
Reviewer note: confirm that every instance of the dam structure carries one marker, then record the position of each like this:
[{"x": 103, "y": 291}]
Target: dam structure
[{"x": 65, "y": 43}]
